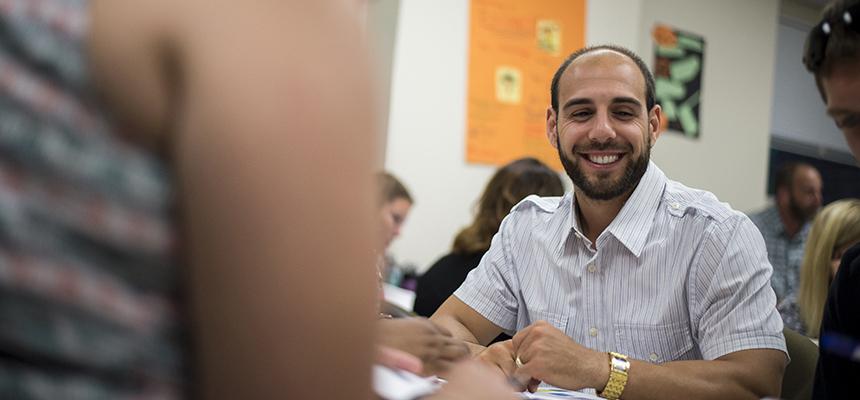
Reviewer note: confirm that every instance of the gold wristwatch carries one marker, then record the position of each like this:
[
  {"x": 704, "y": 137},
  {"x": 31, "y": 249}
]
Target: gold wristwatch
[{"x": 618, "y": 368}]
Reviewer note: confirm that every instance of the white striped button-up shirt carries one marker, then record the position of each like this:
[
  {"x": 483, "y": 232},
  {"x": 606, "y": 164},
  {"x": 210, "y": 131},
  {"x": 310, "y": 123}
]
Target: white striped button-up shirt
[{"x": 677, "y": 275}]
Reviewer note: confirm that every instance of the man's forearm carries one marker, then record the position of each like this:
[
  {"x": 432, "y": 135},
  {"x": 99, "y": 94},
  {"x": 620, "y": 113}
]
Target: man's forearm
[
  {"x": 753, "y": 375},
  {"x": 457, "y": 329},
  {"x": 475, "y": 349},
  {"x": 466, "y": 324}
]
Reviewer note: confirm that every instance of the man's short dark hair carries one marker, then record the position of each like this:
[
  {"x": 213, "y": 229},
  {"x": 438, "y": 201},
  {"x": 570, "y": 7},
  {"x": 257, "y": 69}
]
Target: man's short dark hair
[
  {"x": 650, "y": 97},
  {"x": 842, "y": 45},
  {"x": 784, "y": 177}
]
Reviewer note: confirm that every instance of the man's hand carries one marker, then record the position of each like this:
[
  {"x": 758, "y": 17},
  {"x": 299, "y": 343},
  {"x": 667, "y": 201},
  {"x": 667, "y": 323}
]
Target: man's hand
[
  {"x": 500, "y": 355},
  {"x": 548, "y": 355},
  {"x": 423, "y": 339}
]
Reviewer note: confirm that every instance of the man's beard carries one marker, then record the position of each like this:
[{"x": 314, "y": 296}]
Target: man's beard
[
  {"x": 603, "y": 189},
  {"x": 801, "y": 214}
]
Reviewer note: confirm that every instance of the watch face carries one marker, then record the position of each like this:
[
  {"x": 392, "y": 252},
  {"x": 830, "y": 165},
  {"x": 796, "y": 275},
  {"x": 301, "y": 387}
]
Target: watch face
[{"x": 619, "y": 364}]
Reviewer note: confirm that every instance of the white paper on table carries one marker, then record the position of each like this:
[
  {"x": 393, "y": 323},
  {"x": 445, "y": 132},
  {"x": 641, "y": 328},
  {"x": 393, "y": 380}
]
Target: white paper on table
[
  {"x": 546, "y": 392},
  {"x": 398, "y": 296},
  {"x": 393, "y": 384}
]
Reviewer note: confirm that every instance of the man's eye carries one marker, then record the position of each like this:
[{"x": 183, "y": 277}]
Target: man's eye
[
  {"x": 624, "y": 114},
  {"x": 580, "y": 114}
]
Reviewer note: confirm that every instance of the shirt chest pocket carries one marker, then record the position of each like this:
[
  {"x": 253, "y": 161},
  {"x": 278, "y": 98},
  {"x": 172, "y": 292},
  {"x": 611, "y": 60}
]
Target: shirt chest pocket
[
  {"x": 557, "y": 320},
  {"x": 654, "y": 343}
]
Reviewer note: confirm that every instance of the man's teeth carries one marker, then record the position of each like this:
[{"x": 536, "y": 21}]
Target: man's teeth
[{"x": 607, "y": 159}]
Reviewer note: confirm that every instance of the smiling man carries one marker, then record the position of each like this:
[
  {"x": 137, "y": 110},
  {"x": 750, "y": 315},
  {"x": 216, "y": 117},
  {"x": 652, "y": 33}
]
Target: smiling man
[{"x": 631, "y": 284}]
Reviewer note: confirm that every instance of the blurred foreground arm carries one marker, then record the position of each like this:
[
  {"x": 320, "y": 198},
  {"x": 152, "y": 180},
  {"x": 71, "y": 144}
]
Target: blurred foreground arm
[{"x": 263, "y": 110}]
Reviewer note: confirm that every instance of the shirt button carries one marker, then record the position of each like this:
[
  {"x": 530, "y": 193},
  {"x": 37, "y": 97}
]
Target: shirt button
[
  {"x": 675, "y": 205},
  {"x": 653, "y": 357},
  {"x": 592, "y": 332},
  {"x": 591, "y": 268}
]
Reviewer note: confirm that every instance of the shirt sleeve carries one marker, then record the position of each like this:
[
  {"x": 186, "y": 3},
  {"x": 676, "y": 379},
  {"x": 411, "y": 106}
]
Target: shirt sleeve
[
  {"x": 733, "y": 305},
  {"x": 490, "y": 289}
]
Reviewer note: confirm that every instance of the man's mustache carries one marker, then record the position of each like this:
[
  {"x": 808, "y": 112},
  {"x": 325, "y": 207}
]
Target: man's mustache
[{"x": 607, "y": 146}]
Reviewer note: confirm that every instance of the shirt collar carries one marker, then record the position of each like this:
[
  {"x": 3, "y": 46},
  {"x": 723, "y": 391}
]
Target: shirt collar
[{"x": 633, "y": 223}]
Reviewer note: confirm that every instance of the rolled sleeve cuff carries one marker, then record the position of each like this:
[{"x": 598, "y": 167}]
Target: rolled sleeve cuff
[
  {"x": 733, "y": 343},
  {"x": 485, "y": 306}
]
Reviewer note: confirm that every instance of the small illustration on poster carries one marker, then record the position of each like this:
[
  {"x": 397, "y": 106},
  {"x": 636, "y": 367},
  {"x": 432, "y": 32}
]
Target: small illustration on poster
[
  {"x": 549, "y": 36},
  {"x": 508, "y": 85},
  {"x": 678, "y": 64}
]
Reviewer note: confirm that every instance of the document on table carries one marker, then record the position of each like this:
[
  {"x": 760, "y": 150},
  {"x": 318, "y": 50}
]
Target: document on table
[
  {"x": 393, "y": 384},
  {"x": 554, "y": 393}
]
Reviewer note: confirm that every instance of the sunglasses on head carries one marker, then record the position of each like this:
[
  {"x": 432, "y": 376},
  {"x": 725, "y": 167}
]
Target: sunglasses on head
[{"x": 816, "y": 45}]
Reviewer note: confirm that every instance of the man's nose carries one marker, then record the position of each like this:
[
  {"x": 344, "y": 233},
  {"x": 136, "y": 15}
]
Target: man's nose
[{"x": 602, "y": 131}]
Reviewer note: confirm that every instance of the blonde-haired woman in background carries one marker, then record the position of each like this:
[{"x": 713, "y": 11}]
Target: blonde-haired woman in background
[{"x": 835, "y": 229}]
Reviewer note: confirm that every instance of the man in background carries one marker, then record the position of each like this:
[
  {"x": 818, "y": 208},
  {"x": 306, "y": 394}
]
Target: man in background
[
  {"x": 832, "y": 54},
  {"x": 785, "y": 224}
]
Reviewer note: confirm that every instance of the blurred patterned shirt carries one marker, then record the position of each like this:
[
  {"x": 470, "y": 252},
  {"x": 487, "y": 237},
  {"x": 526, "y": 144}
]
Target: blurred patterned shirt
[
  {"x": 785, "y": 254},
  {"x": 789, "y": 310},
  {"x": 677, "y": 275},
  {"x": 88, "y": 276}
]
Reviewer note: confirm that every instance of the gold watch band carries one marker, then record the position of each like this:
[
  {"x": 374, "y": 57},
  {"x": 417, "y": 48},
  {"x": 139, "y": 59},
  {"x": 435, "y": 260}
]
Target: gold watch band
[{"x": 618, "y": 368}]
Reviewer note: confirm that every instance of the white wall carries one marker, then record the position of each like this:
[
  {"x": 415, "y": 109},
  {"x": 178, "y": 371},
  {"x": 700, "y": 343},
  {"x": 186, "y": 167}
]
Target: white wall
[
  {"x": 730, "y": 158},
  {"x": 798, "y": 112},
  {"x": 426, "y": 140}
]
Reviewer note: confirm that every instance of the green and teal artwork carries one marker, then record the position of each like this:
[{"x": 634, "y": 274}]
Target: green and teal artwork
[{"x": 678, "y": 62}]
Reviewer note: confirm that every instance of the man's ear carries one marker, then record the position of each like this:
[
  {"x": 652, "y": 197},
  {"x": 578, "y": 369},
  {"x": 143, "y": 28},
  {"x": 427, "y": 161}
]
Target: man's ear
[
  {"x": 655, "y": 120},
  {"x": 551, "y": 127}
]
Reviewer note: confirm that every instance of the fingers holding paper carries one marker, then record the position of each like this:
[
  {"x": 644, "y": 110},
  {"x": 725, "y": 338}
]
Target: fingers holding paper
[{"x": 549, "y": 355}]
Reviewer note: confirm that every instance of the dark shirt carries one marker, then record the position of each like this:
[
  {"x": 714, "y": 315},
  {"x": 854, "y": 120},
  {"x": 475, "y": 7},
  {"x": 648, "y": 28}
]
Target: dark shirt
[
  {"x": 836, "y": 375},
  {"x": 442, "y": 279}
]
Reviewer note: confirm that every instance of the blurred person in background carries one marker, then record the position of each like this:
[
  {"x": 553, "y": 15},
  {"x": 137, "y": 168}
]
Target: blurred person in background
[
  {"x": 832, "y": 55},
  {"x": 395, "y": 202},
  {"x": 785, "y": 224},
  {"x": 835, "y": 229},
  {"x": 510, "y": 184},
  {"x": 394, "y": 205},
  {"x": 420, "y": 337}
]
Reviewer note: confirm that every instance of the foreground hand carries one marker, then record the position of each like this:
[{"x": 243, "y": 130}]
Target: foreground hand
[
  {"x": 396, "y": 359},
  {"x": 472, "y": 380},
  {"x": 548, "y": 355},
  {"x": 432, "y": 344}
]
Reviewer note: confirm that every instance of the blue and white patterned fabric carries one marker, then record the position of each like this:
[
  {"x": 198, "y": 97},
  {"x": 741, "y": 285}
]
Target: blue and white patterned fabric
[
  {"x": 676, "y": 276},
  {"x": 785, "y": 254},
  {"x": 90, "y": 282}
]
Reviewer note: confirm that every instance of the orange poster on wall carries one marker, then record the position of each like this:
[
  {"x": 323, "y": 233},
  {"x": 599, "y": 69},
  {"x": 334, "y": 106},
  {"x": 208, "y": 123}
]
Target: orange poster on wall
[{"x": 515, "y": 47}]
